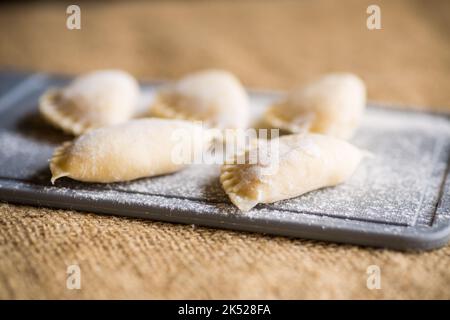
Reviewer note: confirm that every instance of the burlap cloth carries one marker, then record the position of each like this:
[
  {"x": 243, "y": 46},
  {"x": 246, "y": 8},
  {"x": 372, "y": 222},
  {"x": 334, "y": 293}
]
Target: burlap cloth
[{"x": 269, "y": 45}]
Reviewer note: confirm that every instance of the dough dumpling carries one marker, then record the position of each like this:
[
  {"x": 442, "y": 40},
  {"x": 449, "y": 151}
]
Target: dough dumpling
[
  {"x": 135, "y": 149},
  {"x": 333, "y": 105},
  {"x": 215, "y": 97},
  {"x": 290, "y": 166},
  {"x": 91, "y": 101}
]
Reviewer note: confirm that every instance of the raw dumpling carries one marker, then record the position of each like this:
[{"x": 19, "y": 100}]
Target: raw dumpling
[
  {"x": 333, "y": 105},
  {"x": 287, "y": 167},
  {"x": 91, "y": 101},
  {"x": 136, "y": 149},
  {"x": 213, "y": 96}
]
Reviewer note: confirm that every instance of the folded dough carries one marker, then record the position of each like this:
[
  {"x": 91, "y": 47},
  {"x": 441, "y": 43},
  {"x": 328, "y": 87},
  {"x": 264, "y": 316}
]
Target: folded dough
[
  {"x": 215, "y": 97},
  {"x": 91, "y": 101},
  {"x": 333, "y": 105},
  {"x": 136, "y": 149},
  {"x": 288, "y": 167}
]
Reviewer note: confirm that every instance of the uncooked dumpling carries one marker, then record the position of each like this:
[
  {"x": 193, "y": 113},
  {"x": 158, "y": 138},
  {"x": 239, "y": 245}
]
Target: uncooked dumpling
[
  {"x": 213, "y": 96},
  {"x": 136, "y": 149},
  {"x": 91, "y": 101},
  {"x": 287, "y": 167},
  {"x": 333, "y": 105}
]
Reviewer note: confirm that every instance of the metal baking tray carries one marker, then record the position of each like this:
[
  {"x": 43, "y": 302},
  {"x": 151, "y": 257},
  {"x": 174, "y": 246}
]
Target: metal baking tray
[{"x": 399, "y": 198}]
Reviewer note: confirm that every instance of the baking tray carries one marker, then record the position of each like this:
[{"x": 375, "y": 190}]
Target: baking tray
[{"x": 399, "y": 198}]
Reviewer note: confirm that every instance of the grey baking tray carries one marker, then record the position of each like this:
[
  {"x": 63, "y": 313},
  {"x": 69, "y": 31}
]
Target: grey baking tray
[{"x": 399, "y": 198}]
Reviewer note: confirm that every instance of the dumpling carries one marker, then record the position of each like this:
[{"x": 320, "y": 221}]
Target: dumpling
[
  {"x": 287, "y": 167},
  {"x": 135, "y": 149},
  {"x": 215, "y": 97},
  {"x": 91, "y": 101},
  {"x": 333, "y": 105}
]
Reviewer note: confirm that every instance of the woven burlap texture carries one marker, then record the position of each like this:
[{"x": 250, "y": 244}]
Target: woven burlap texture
[{"x": 268, "y": 45}]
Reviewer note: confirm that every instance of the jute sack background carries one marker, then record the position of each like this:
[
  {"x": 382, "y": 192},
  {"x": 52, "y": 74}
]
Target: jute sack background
[{"x": 275, "y": 45}]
